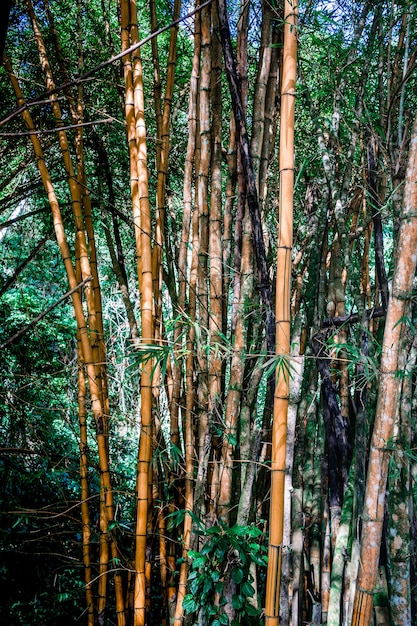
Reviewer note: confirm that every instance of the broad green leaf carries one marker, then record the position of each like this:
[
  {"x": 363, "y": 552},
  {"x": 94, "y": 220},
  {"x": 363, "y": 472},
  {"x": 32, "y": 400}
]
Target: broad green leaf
[
  {"x": 189, "y": 604},
  {"x": 237, "y": 575},
  {"x": 247, "y": 590},
  {"x": 251, "y": 610}
]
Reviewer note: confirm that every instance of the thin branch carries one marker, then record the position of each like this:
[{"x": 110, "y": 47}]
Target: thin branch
[
  {"x": 44, "y": 313},
  {"x": 96, "y": 69},
  {"x": 22, "y": 217},
  {"x": 352, "y": 318},
  {"x": 56, "y": 130},
  {"x": 19, "y": 451},
  {"x": 25, "y": 263}
]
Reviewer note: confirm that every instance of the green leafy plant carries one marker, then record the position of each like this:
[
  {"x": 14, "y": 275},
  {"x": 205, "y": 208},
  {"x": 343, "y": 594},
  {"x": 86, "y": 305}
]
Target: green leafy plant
[{"x": 227, "y": 554}]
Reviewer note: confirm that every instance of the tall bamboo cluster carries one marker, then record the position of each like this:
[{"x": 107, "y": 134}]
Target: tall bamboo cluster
[
  {"x": 90, "y": 329},
  {"x": 270, "y": 307}
]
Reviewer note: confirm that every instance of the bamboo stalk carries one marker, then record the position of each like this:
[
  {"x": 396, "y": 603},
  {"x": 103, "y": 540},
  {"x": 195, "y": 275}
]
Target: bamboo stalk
[
  {"x": 72, "y": 181},
  {"x": 87, "y": 258},
  {"x": 204, "y": 430},
  {"x": 387, "y": 397},
  {"x": 84, "y": 496},
  {"x": 189, "y": 369},
  {"x": 283, "y": 329},
  {"x": 143, "y": 230},
  {"x": 215, "y": 249},
  {"x": 162, "y": 158},
  {"x": 399, "y": 499},
  {"x": 233, "y": 412}
]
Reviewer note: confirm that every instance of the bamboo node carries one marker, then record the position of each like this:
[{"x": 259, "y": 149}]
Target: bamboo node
[
  {"x": 291, "y": 14},
  {"x": 368, "y": 518},
  {"x": 401, "y": 295},
  {"x": 367, "y": 591}
]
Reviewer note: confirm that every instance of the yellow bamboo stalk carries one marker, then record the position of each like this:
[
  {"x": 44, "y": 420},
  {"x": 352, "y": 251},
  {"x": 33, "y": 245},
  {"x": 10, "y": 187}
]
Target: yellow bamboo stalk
[
  {"x": 157, "y": 86},
  {"x": 283, "y": 296},
  {"x": 88, "y": 266},
  {"x": 145, "y": 283},
  {"x": 136, "y": 136},
  {"x": 72, "y": 182},
  {"x": 80, "y": 199},
  {"x": 77, "y": 114},
  {"x": 85, "y": 514},
  {"x": 131, "y": 125},
  {"x": 82, "y": 386}
]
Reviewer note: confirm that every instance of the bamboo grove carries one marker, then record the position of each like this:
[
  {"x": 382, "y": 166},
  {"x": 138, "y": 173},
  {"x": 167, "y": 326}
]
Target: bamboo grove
[{"x": 215, "y": 424}]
